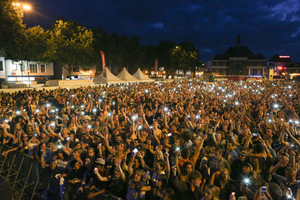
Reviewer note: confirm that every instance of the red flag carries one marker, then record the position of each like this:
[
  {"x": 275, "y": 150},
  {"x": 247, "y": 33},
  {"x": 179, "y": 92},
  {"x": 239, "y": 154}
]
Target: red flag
[
  {"x": 156, "y": 64},
  {"x": 103, "y": 62}
]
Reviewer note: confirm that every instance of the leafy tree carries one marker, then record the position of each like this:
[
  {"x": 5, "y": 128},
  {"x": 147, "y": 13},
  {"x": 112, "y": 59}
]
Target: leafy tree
[
  {"x": 165, "y": 55},
  {"x": 11, "y": 28},
  {"x": 120, "y": 51},
  {"x": 69, "y": 45},
  {"x": 34, "y": 44},
  {"x": 149, "y": 54},
  {"x": 185, "y": 57}
]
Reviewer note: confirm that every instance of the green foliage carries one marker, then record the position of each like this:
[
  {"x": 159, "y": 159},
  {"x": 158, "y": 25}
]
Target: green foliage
[
  {"x": 120, "y": 51},
  {"x": 11, "y": 27},
  {"x": 185, "y": 56},
  {"x": 69, "y": 45}
]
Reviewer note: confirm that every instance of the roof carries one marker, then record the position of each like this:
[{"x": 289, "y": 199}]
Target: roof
[
  {"x": 110, "y": 78},
  {"x": 279, "y": 58},
  {"x": 125, "y": 76},
  {"x": 239, "y": 51},
  {"x": 141, "y": 76}
]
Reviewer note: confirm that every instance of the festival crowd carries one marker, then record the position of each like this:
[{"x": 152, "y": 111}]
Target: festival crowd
[{"x": 228, "y": 140}]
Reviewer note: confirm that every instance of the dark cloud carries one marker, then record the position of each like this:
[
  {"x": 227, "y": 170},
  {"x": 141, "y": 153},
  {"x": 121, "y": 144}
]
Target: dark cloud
[{"x": 267, "y": 26}]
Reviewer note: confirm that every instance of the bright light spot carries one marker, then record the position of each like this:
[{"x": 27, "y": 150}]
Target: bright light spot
[{"x": 26, "y": 7}]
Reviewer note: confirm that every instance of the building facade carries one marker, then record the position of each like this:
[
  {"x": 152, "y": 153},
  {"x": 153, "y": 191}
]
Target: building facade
[
  {"x": 239, "y": 61},
  {"x": 279, "y": 64},
  {"x": 25, "y": 72}
]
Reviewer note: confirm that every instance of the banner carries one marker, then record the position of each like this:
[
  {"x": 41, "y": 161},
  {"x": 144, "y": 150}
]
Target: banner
[
  {"x": 103, "y": 62},
  {"x": 156, "y": 64}
]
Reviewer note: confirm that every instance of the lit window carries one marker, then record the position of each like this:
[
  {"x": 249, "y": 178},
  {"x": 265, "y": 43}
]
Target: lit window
[
  {"x": 43, "y": 68},
  {"x": 33, "y": 68}
]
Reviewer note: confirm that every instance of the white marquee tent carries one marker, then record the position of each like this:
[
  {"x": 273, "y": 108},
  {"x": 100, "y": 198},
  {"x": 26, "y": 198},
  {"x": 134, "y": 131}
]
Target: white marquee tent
[
  {"x": 110, "y": 78},
  {"x": 141, "y": 76},
  {"x": 125, "y": 76}
]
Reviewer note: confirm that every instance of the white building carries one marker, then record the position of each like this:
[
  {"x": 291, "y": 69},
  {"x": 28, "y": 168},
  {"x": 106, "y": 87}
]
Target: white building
[{"x": 25, "y": 72}]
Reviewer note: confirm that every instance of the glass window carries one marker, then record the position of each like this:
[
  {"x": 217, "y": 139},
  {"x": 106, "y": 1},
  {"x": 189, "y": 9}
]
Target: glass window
[
  {"x": 1, "y": 65},
  {"x": 43, "y": 68},
  {"x": 33, "y": 68}
]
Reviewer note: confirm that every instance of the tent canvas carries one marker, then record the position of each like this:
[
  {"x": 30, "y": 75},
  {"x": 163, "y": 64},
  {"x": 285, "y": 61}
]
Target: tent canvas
[
  {"x": 110, "y": 78},
  {"x": 125, "y": 76},
  {"x": 141, "y": 76}
]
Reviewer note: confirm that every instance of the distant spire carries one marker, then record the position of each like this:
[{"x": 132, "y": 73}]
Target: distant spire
[{"x": 238, "y": 40}]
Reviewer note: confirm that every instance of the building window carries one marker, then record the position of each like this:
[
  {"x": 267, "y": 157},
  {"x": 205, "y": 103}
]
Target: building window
[
  {"x": 33, "y": 68},
  {"x": 1, "y": 65},
  {"x": 22, "y": 67},
  {"x": 75, "y": 69},
  {"x": 43, "y": 68}
]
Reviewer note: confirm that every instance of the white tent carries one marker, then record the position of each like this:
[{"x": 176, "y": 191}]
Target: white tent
[
  {"x": 110, "y": 78},
  {"x": 125, "y": 76},
  {"x": 141, "y": 76}
]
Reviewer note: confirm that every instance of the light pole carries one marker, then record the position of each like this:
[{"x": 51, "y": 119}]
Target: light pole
[{"x": 21, "y": 8}]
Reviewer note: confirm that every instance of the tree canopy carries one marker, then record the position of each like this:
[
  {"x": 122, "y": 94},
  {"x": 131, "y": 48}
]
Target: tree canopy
[{"x": 69, "y": 44}]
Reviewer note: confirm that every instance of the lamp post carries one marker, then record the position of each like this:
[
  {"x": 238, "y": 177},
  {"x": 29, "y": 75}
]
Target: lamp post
[{"x": 21, "y": 8}]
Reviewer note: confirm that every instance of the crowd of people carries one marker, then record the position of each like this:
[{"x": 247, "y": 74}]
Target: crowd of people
[{"x": 228, "y": 140}]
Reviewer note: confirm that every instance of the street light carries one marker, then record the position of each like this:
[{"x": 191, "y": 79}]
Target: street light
[{"x": 26, "y": 7}]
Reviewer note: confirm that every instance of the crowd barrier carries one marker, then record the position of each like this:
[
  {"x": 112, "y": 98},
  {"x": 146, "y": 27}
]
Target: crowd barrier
[{"x": 22, "y": 172}]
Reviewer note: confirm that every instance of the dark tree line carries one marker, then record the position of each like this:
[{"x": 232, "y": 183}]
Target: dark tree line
[{"x": 68, "y": 43}]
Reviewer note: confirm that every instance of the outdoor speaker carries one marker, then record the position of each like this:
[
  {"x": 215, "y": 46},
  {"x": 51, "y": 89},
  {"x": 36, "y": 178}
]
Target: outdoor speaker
[{"x": 5, "y": 189}]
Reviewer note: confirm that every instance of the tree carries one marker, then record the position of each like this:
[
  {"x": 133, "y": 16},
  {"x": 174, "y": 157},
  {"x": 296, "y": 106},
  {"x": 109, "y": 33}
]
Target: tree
[
  {"x": 69, "y": 45},
  {"x": 165, "y": 56},
  {"x": 11, "y": 28},
  {"x": 185, "y": 57}
]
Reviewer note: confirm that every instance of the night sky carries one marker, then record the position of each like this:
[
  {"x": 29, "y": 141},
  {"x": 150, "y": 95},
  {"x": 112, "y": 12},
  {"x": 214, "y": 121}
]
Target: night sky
[{"x": 266, "y": 26}]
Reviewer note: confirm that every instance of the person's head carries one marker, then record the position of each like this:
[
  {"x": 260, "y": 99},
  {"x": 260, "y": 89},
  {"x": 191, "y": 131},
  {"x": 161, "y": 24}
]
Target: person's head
[
  {"x": 100, "y": 164},
  {"x": 168, "y": 194},
  {"x": 76, "y": 153},
  {"x": 185, "y": 153},
  {"x": 74, "y": 164},
  {"x": 160, "y": 165},
  {"x": 138, "y": 175},
  {"x": 194, "y": 179},
  {"x": 218, "y": 153},
  {"x": 91, "y": 152},
  {"x": 258, "y": 148},
  {"x": 290, "y": 174},
  {"x": 269, "y": 133},
  {"x": 161, "y": 180},
  {"x": 275, "y": 191},
  {"x": 242, "y": 155},
  {"x": 187, "y": 168},
  {"x": 230, "y": 146},
  {"x": 284, "y": 159},
  {"x": 224, "y": 174},
  {"x": 211, "y": 192}
]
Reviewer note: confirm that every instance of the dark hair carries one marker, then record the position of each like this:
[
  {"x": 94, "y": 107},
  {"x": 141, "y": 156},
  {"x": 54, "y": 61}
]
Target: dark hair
[
  {"x": 258, "y": 148},
  {"x": 275, "y": 191},
  {"x": 184, "y": 167},
  {"x": 162, "y": 164},
  {"x": 185, "y": 153},
  {"x": 194, "y": 175},
  {"x": 170, "y": 193},
  {"x": 73, "y": 163}
]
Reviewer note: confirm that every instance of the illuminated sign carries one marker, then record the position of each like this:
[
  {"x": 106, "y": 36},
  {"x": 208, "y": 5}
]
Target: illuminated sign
[
  {"x": 279, "y": 68},
  {"x": 284, "y": 56}
]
